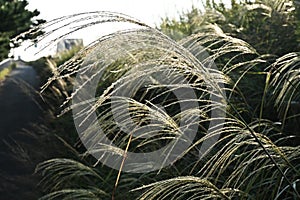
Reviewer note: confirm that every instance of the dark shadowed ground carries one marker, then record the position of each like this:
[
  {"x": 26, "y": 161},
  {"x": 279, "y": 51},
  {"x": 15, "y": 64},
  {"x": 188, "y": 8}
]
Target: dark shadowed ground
[{"x": 18, "y": 110}]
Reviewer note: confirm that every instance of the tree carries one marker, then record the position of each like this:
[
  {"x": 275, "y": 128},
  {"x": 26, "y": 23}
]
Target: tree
[{"x": 15, "y": 19}]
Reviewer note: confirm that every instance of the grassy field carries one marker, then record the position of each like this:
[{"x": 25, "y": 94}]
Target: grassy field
[{"x": 239, "y": 66}]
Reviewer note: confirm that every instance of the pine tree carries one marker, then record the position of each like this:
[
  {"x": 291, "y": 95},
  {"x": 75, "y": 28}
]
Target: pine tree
[{"x": 15, "y": 19}]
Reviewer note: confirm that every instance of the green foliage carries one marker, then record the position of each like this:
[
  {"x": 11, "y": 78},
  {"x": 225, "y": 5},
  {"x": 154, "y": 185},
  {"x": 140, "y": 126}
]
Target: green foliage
[
  {"x": 269, "y": 25},
  {"x": 297, "y": 16},
  {"x": 15, "y": 19},
  {"x": 4, "y": 45},
  {"x": 188, "y": 24}
]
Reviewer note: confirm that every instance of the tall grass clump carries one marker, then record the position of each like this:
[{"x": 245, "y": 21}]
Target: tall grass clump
[{"x": 138, "y": 71}]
